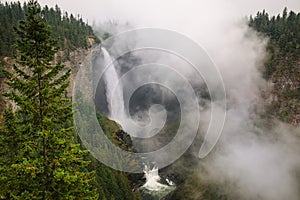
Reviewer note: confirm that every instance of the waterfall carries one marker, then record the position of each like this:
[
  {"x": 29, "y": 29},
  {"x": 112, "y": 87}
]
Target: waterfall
[
  {"x": 155, "y": 188},
  {"x": 152, "y": 180},
  {"x": 114, "y": 92}
]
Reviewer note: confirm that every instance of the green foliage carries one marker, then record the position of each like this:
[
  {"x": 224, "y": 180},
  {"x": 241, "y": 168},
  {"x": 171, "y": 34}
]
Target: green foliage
[
  {"x": 282, "y": 66},
  {"x": 112, "y": 184},
  {"x": 39, "y": 158},
  {"x": 71, "y": 31},
  {"x": 284, "y": 34}
]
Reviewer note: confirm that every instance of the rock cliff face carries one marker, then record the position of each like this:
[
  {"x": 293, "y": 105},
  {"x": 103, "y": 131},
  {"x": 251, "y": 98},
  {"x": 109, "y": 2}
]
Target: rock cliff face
[
  {"x": 285, "y": 96},
  {"x": 72, "y": 60}
]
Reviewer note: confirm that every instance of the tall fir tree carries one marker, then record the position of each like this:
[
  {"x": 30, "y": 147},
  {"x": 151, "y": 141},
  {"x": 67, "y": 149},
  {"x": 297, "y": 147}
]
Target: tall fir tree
[{"x": 39, "y": 157}]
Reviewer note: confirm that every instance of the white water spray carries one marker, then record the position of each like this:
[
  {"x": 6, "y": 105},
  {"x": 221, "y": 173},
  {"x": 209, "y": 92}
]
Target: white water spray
[
  {"x": 155, "y": 187},
  {"x": 114, "y": 91},
  {"x": 152, "y": 180}
]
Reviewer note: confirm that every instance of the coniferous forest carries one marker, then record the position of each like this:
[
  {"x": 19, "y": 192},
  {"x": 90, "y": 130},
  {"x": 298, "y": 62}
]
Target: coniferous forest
[
  {"x": 41, "y": 154},
  {"x": 71, "y": 31},
  {"x": 283, "y": 61}
]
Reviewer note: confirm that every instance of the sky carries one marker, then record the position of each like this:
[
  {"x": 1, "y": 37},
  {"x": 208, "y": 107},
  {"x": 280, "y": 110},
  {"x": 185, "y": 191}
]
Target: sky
[{"x": 101, "y": 10}]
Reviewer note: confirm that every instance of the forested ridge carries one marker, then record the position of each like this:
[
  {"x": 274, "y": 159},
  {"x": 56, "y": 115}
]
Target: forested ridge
[
  {"x": 71, "y": 30},
  {"x": 282, "y": 66}
]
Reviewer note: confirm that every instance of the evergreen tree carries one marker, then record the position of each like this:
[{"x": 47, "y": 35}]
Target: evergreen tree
[
  {"x": 39, "y": 157},
  {"x": 73, "y": 34},
  {"x": 282, "y": 66}
]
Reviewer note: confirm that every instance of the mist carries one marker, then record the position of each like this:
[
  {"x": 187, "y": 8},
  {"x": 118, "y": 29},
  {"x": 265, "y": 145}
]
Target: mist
[{"x": 256, "y": 157}]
